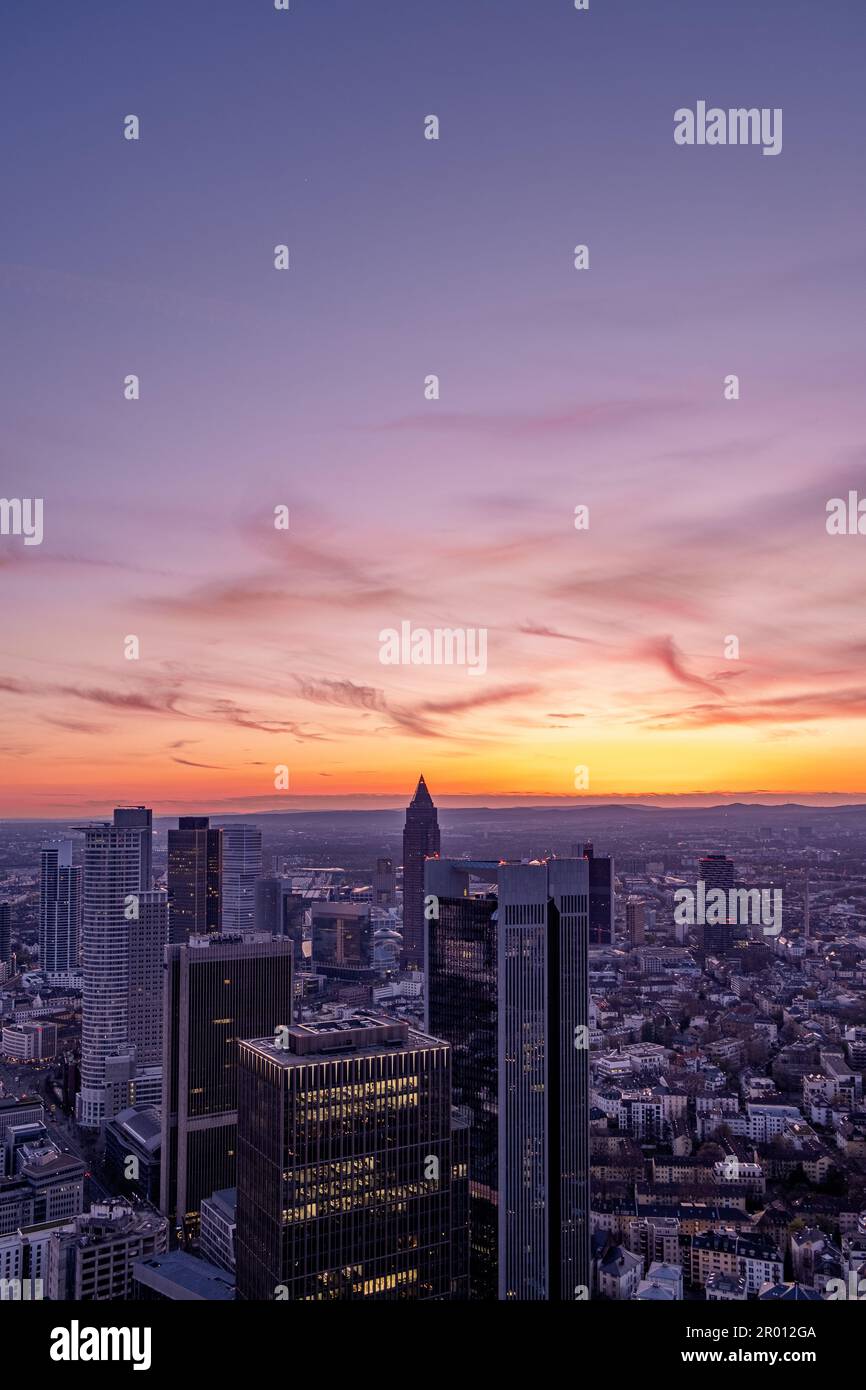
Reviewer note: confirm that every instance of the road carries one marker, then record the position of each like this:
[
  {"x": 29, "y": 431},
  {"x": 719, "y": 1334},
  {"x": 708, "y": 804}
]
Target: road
[{"x": 26, "y": 1079}]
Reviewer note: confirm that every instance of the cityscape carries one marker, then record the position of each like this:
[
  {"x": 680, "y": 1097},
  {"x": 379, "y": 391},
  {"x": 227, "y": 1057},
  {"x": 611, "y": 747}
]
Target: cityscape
[
  {"x": 432, "y": 774},
  {"x": 284, "y": 1060}
]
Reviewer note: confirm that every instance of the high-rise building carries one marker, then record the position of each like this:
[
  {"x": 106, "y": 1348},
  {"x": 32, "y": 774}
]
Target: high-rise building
[
  {"x": 114, "y": 861},
  {"x": 148, "y": 938},
  {"x": 601, "y": 894},
  {"x": 217, "y": 989},
  {"x": 241, "y": 866},
  {"x": 194, "y": 878},
  {"x": 342, "y": 938},
  {"x": 716, "y": 871},
  {"x": 507, "y": 987},
  {"x": 385, "y": 884},
  {"x": 351, "y": 1180},
  {"x": 635, "y": 921},
  {"x": 720, "y": 938},
  {"x": 5, "y": 933},
  {"x": 140, "y": 819},
  {"x": 59, "y": 908},
  {"x": 420, "y": 840},
  {"x": 279, "y": 911}
]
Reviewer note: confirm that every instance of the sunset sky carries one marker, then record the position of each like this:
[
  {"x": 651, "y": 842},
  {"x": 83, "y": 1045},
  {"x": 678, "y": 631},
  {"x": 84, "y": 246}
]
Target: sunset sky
[{"x": 305, "y": 388}]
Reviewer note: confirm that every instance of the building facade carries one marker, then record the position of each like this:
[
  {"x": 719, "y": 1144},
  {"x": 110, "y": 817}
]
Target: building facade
[
  {"x": 218, "y": 989},
  {"x": 507, "y": 988},
  {"x": 349, "y": 1181}
]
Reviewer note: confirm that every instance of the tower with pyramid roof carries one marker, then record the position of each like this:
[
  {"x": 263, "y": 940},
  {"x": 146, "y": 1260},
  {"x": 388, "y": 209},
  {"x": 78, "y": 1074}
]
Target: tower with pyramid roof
[{"x": 420, "y": 840}]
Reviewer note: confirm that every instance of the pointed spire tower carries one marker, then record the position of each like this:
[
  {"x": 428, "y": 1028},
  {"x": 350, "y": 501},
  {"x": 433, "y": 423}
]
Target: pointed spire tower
[{"x": 420, "y": 840}]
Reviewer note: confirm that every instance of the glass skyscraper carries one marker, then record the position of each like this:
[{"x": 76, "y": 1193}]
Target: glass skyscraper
[
  {"x": 351, "y": 1173},
  {"x": 507, "y": 988}
]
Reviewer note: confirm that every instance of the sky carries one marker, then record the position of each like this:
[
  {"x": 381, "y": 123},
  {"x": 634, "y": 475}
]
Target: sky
[{"x": 260, "y": 648}]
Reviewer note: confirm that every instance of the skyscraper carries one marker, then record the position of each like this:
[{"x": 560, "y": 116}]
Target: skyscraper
[
  {"x": 719, "y": 938},
  {"x": 279, "y": 911},
  {"x": 507, "y": 988},
  {"x": 217, "y": 990},
  {"x": 420, "y": 839},
  {"x": 5, "y": 933},
  {"x": 350, "y": 1176},
  {"x": 601, "y": 896},
  {"x": 114, "y": 861},
  {"x": 384, "y": 884},
  {"x": 194, "y": 878},
  {"x": 241, "y": 866},
  {"x": 148, "y": 938},
  {"x": 635, "y": 921},
  {"x": 59, "y": 908},
  {"x": 716, "y": 871},
  {"x": 140, "y": 819},
  {"x": 342, "y": 938}
]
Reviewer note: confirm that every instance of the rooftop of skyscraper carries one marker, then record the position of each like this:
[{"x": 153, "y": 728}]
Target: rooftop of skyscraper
[{"x": 357, "y": 1033}]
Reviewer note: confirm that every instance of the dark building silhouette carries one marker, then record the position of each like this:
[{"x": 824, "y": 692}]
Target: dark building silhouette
[
  {"x": 384, "y": 884},
  {"x": 194, "y": 876},
  {"x": 716, "y": 871},
  {"x": 720, "y": 938},
  {"x": 420, "y": 840},
  {"x": 280, "y": 912},
  {"x": 601, "y": 898},
  {"x": 5, "y": 933},
  {"x": 342, "y": 938},
  {"x": 351, "y": 1173},
  {"x": 507, "y": 987},
  {"x": 217, "y": 989}
]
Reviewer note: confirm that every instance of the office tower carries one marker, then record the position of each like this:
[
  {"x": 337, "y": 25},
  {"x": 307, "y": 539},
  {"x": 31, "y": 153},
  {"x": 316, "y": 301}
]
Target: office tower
[
  {"x": 385, "y": 884},
  {"x": 806, "y": 908},
  {"x": 507, "y": 988},
  {"x": 91, "y": 1258},
  {"x": 148, "y": 938},
  {"x": 194, "y": 878},
  {"x": 342, "y": 941},
  {"x": 5, "y": 933},
  {"x": 217, "y": 989},
  {"x": 59, "y": 909},
  {"x": 720, "y": 938},
  {"x": 139, "y": 819},
  {"x": 601, "y": 897},
  {"x": 111, "y": 888},
  {"x": 635, "y": 921},
  {"x": 716, "y": 871},
  {"x": 279, "y": 911},
  {"x": 420, "y": 839},
  {"x": 346, "y": 1181},
  {"x": 241, "y": 866}
]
